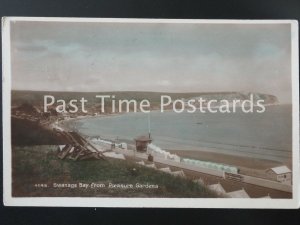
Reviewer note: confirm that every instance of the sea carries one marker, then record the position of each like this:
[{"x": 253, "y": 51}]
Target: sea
[{"x": 265, "y": 135}]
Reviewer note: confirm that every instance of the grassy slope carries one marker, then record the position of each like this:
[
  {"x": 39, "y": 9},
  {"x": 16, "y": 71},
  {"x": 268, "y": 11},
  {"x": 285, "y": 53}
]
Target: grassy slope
[
  {"x": 39, "y": 164},
  {"x": 25, "y": 132}
]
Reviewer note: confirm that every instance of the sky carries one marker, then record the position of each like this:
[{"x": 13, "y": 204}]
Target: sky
[{"x": 97, "y": 57}]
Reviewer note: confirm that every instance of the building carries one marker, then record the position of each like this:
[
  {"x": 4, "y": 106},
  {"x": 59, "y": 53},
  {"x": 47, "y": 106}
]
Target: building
[
  {"x": 267, "y": 196},
  {"x": 218, "y": 188},
  {"x": 142, "y": 142},
  {"x": 281, "y": 174}
]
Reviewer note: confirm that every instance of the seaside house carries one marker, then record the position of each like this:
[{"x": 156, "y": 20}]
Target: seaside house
[
  {"x": 142, "y": 142},
  {"x": 281, "y": 174}
]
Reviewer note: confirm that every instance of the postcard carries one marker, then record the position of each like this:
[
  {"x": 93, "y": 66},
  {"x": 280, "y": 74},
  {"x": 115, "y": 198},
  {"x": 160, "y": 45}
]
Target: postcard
[{"x": 150, "y": 113}]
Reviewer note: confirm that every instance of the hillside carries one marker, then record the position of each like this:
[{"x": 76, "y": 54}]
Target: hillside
[{"x": 230, "y": 96}]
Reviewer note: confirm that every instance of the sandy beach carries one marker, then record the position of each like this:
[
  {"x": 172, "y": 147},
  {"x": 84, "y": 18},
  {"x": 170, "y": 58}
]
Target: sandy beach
[
  {"x": 247, "y": 165},
  {"x": 239, "y": 161}
]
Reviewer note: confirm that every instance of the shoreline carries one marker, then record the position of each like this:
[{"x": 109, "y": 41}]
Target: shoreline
[
  {"x": 246, "y": 164},
  {"x": 238, "y": 161}
]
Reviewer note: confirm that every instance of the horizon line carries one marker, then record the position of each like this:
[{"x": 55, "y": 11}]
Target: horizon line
[{"x": 189, "y": 92}]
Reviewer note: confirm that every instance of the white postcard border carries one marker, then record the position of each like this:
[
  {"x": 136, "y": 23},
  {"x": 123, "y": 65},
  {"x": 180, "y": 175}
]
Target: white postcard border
[{"x": 143, "y": 202}]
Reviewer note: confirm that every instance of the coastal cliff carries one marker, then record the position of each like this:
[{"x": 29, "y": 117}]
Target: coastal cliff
[{"x": 230, "y": 96}]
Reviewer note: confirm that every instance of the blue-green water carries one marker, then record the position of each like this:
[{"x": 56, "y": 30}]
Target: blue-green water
[{"x": 265, "y": 135}]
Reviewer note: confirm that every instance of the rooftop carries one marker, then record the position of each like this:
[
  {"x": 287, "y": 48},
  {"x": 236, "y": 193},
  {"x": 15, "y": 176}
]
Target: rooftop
[
  {"x": 281, "y": 169},
  {"x": 217, "y": 187},
  {"x": 143, "y": 138}
]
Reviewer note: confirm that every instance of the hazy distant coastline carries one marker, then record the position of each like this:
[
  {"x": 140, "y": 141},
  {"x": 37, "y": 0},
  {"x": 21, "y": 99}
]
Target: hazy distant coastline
[{"x": 36, "y": 97}]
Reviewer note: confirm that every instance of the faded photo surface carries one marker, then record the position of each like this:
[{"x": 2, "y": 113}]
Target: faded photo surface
[{"x": 151, "y": 110}]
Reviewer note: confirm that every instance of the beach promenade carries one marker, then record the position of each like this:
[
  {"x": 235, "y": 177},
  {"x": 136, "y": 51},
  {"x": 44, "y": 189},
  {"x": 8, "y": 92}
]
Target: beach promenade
[{"x": 243, "y": 178}]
